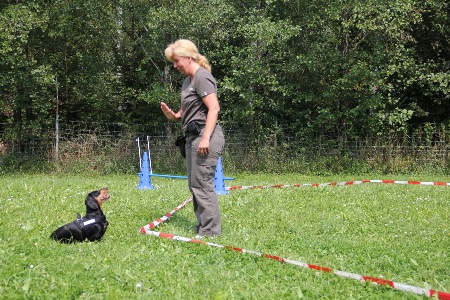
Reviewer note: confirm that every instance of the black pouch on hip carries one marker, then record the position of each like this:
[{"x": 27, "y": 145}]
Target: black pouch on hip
[
  {"x": 181, "y": 143},
  {"x": 193, "y": 128}
]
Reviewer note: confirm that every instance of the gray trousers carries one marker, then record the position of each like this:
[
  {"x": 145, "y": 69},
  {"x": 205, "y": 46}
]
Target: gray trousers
[{"x": 201, "y": 172}]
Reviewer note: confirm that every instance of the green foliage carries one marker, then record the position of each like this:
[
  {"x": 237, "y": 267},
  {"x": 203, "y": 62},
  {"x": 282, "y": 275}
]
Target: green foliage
[
  {"x": 349, "y": 68},
  {"x": 24, "y": 79},
  {"x": 255, "y": 81}
]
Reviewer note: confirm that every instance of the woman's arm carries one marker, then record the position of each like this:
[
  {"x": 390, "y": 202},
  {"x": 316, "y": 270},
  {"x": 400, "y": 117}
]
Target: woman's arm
[{"x": 212, "y": 103}]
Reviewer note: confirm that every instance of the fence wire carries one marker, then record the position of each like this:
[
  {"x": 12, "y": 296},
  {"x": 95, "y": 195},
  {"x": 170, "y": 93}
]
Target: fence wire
[{"x": 115, "y": 145}]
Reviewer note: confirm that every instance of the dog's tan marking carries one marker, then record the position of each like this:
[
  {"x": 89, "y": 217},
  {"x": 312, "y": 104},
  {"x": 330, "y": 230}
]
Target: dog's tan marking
[{"x": 102, "y": 197}]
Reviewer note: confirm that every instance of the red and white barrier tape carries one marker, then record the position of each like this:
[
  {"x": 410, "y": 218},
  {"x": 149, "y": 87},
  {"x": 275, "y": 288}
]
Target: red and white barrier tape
[
  {"x": 166, "y": 216},
  {"x": 241, "y": 187},
  {"x": 362, "y": 278}
]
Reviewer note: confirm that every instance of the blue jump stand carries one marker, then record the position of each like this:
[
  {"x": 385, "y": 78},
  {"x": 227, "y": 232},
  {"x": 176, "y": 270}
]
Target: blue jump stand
[
  {"x": 219, "y": 180},
  {"x": 145, "y": 181}
]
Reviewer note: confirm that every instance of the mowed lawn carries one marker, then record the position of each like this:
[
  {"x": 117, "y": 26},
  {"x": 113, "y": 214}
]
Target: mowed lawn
[{"x": 395, "y": 232}]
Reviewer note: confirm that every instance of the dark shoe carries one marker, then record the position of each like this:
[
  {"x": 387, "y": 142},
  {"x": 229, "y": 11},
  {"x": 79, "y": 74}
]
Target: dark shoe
[{"x": 196, "y": 228}]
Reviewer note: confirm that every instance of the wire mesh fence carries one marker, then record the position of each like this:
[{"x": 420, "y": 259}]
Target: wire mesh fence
[{"x": 113, "y": 147}]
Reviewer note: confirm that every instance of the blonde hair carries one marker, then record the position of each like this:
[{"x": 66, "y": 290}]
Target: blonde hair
[{"x": 186, "y": 48}]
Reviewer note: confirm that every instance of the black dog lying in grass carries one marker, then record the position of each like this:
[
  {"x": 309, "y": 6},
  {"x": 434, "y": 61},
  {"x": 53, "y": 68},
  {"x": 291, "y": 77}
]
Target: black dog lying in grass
[{"x": 91, "y": 227}]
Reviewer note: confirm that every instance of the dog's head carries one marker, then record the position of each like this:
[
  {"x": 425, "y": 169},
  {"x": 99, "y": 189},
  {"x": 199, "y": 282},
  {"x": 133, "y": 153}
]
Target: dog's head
[{"x": 95, "y": 199}]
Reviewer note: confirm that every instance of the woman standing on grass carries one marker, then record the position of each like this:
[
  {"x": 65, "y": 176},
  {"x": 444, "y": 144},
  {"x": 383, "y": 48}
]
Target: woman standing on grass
[{"x": 204, "y": 137}]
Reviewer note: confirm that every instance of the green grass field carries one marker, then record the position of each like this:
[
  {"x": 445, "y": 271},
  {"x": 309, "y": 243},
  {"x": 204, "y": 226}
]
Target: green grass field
[{"x": 395, "y": 232}]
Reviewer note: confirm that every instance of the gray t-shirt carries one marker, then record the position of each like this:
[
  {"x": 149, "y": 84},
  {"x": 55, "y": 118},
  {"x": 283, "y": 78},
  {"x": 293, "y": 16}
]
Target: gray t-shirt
[{"x": 192, "y": 92}]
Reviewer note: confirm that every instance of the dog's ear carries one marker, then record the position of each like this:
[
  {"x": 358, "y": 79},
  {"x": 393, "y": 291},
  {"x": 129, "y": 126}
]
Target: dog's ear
[
  {"x": 92, "y": 203},
  {"x": 90, "y": 200}
]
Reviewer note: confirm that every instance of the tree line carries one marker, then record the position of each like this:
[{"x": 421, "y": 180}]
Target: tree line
[{"x": 350, "y": 68}]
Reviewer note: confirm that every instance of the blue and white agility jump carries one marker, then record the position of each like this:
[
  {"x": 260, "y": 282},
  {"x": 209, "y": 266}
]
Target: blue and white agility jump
[{"x": 146, "y": 174}]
